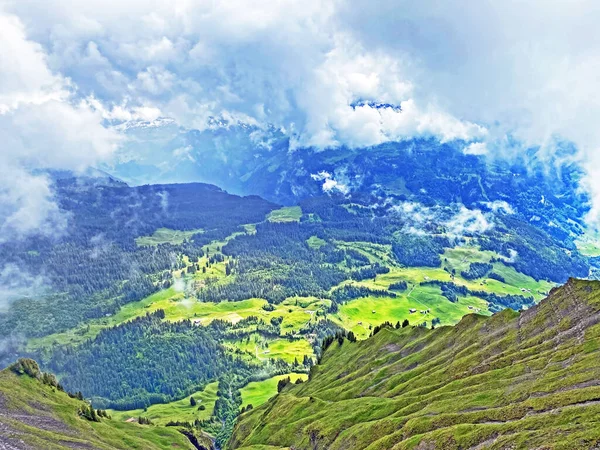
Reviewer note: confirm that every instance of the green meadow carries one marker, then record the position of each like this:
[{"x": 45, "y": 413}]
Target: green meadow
[
  {"x": 258, "y": 392},
  {"x": 362, "y": 314},
  {"x": 166, "y": 236},
  {"x": 93, "y": 327},
  {"x": 504, "y": 381},
  {"x": 359, "y": 315},
  {"x": 180, "y": 410},
  {"x": 285, "y": 214},
  {"x": 315, "y": 242},
  {"x": 589, "y": 243},
  {"x": 262, "y": 348}
]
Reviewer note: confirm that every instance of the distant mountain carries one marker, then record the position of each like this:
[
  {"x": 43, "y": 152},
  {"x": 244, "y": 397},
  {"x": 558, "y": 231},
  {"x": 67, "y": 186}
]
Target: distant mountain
[
  {"x": 513, "y": 380},
  {"x": 245, "y": 160}
]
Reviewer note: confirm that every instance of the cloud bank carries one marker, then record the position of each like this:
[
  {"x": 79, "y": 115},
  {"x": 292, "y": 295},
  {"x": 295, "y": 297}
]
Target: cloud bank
[
  {"x": 327, "y": 74},
  {"x": 43, "y": 125}
]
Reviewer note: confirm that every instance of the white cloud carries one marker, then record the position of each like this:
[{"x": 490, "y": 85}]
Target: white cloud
[
  {"x": 476, "y": 148},
  {"x": 329, "y": 184},
  {"x": 42, "y": 126},
  {"x": 528, "y": 69},
  {"x": 457, "y": 70},
  {"x": 468, "y": 222},
  {"x": 289, "y": 62},
  {"x": 16, "y": 282},
  {"x": 500, "y": 205}
]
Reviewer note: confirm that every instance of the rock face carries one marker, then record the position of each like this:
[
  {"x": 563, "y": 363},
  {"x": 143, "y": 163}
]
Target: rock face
[{"x": 513, "y": 380}]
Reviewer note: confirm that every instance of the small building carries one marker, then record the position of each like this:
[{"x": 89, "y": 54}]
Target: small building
[{"x": 412, "y": 310}]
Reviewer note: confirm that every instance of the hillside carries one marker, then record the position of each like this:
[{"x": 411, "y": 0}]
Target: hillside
[
  {"x": 35, "y": 414},
  {"x": 152, "y": 284},
  {"x": 527, "y": 380}
]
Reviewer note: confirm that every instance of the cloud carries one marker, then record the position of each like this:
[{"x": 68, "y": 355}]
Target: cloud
[
  {"x": 43, "y": 126},
  {"x": 329, "y": 184},
  {"x": 333, "y": 73},
  {"x": 289, "y": 63},
  {"x": 476, "y": 148},
  {"x": 500, "y": 206},
  {"x": 468, "y": 222},
  {"x": 16, "y": 282},
  {"x": 527, "y": 70},
  {"x": 455, "y": 221}
]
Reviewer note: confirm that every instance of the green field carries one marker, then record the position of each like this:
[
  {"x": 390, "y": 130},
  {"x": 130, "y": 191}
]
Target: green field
[
  {"x": 362, "y": 314},
  {"x": 180, "y": 410},
  {"x": 262, "y": 348},
  {"x": 356, "y": 315},
  {"x": 258, "y": 392},
  {"x": 377, "y": 253},
  {"x": 175, "y": 295},
  {"x": 285, "y": 214},
  {"x": 315, "y": 242},
  {"x": 93, "y": 327},
  {"x": 166, "y": 236}
]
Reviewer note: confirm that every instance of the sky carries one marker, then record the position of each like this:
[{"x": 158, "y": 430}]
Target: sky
[{"x": 480, "y": 72}]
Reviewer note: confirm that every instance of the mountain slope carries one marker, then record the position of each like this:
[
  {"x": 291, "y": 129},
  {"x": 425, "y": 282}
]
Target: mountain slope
[
  {"x": 528, "y": 380},
  {"x": 34, "y": 415}
]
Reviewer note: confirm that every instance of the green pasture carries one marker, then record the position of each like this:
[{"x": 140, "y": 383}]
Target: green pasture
[
  {"x": 180, "y": 410},
  {"x": 166, "y": 236},
  {"x": 262, "y": 348},
  {"x": 285, "y": 214},
  {"x": 258, "y": 392}
]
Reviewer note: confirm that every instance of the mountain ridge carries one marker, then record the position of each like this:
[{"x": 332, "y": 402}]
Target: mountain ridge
[
  {"x": 513, "y": 380},
  {"x": 36, "y": 413}
]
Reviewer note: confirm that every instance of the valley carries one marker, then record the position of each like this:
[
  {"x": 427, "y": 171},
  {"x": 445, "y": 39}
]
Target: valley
[
  {"x": 299, "y": 225},
  {"x": 212, "y": 301},
  {"x": 294, "y": 344}
]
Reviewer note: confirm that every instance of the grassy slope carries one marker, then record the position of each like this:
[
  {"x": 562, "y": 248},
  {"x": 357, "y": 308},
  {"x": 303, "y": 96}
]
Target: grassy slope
[
  {"x": 512, "y": 380},
  {"x": 258, "y": 392},
  {"x": 35, "y": 416},
  {"x": 166, "y": 236},
  {"x": 180, "y": 410},
  {"x": 285, "y": 214},
  {"x": 357, "y": 315}
]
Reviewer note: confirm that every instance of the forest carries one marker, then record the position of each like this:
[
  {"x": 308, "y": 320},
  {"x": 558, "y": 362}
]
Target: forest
[{"x": 96, "y": 266}]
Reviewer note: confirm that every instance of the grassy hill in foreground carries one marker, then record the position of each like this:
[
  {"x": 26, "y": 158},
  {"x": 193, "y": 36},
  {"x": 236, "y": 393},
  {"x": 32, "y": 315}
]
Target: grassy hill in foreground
[
  {"x": 512, "y": 380},
  {"x": 34, "y": 415}
]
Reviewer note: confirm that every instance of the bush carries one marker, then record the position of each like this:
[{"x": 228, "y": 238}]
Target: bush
[{"x": 26, "y": 366}]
